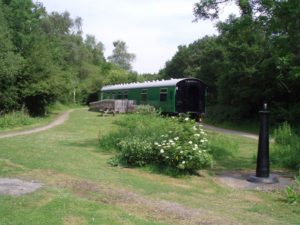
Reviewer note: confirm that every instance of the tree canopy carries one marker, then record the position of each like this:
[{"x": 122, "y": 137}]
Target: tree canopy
[
  {"x": 120, "y": 56},
  {"x": 45, "y": 58},
  {"x": 255, "y": 58}
]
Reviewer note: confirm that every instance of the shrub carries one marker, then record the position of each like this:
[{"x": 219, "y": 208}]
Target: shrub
[
  {"x": 136, "y": 151},
  {"x": 286, "y": 150},
  {"x": 185, "y": 147},
  {"x": 176, "y": 143},
  {"x": 145, "y": 110}
]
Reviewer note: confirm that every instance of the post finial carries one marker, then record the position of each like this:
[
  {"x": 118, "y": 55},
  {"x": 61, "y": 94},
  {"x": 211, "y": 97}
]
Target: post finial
[{"x": 265, "y": 106}]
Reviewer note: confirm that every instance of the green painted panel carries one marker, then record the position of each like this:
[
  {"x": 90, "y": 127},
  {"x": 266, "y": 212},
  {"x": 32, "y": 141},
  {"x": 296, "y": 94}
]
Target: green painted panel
[{"x": 151, "y": 97}]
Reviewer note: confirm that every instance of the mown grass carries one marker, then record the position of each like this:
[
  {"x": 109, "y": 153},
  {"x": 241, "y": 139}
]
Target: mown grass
[{"x": 80, "y": 187}]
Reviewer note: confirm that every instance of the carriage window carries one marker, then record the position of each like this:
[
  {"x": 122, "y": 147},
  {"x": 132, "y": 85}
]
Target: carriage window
[
  {"x": 125, "y": 95},
  {"x": 113, "y": 95},
  {"x": 144, "y": 95},
  {"x": 119, "y": 96},
  {"x": 108, "y": 95},
  {"x": 163, "y": 94}
]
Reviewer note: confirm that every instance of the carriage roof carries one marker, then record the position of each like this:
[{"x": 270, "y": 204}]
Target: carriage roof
[{"x": 147, "y": 84}]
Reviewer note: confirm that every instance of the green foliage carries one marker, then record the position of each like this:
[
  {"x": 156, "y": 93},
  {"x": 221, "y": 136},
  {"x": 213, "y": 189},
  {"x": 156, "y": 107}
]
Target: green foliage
[
  {"x": 120, "y": 56},
  {"x": 117, "y": 75},
  {"x": 44, "y": 59},
  {"x": 202, "y": 59},
  {"x": 222, "y": 147},
  {"x": 169, "y": 143},
  {"x": 135, "y": 151},
  {"x": 185, "y": 147},
  {"x": 286, "y": 150},
  {"x": 254, "y": 59},
  {"x": 16, "y": 119},
  {"x": 145, "y": 110},
  {"x": 293, "y": 192}
]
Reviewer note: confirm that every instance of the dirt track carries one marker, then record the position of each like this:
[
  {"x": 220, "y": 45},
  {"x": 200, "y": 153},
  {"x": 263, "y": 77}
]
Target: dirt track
[
  {"x": 227, "y": 131},
  {"x": 64, "y": 117},
  {"x": 59, "y": 120}
]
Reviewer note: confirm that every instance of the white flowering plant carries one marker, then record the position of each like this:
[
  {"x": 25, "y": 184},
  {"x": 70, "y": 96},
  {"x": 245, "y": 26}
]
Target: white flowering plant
[
  {"x": 176, "y": 143},
  {"x": 184, "y": 148}
]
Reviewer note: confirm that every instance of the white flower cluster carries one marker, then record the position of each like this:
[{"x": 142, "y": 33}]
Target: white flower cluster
[{"x": 185, "y": 146}]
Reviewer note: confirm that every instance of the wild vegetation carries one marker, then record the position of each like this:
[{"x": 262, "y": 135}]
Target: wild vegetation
[
  {"x": 44, "y": 58},
  {"x": 176, "y": 145},
  {"x": 254, "y": 59},
  {"x": 286, "y": 149},
  {"x": 293, "y": 192},
  {"x": 16, "y": 119}
]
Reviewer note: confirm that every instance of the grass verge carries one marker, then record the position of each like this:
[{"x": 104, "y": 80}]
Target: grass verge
[{"x": 20, "y": 120}]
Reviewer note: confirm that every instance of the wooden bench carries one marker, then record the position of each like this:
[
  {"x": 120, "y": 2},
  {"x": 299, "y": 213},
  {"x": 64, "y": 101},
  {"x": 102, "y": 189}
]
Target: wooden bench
[{"x": 107, "y": 112}]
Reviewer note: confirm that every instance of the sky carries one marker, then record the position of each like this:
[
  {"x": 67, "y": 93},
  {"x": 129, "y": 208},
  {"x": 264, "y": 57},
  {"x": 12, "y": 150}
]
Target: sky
[{"x": 151, "y": 29}]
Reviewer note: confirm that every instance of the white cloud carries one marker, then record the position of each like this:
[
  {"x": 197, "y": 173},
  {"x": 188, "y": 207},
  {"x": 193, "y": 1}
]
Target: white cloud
[{"x": 151, "y": 29}]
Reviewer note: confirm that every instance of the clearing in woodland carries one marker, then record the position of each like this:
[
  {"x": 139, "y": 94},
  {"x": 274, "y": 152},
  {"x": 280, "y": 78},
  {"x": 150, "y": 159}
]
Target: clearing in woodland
[{"x": 80, "y": 187}]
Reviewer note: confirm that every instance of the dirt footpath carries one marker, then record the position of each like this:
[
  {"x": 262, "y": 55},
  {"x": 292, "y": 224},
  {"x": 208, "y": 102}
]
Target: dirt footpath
[
  {"x": 58, "y": 121},
  {"x": 234, "y": 132},
  {"x": 16, "y": 187}
]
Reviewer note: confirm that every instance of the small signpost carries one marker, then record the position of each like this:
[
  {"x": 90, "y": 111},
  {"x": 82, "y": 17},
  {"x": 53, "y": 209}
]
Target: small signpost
[{"x": 263, "y": 163}]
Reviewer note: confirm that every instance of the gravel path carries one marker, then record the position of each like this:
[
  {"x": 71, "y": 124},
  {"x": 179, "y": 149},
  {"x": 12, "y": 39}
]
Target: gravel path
[
  {"x": 58, "y": 121},
  {"x": 227, "y": 131}
]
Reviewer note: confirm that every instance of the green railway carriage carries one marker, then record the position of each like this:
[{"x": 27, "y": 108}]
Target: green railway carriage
[{"x": 186, "y": 95}]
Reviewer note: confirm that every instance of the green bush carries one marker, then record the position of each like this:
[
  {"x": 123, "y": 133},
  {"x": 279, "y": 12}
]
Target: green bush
[
  {"x": 184, "y": 147},
  {"x": 286, "y": 150},
  {"x": 136, "y": 151},
  {"x": 176, "y": 143},
  {"x": 145, "y": 110}
]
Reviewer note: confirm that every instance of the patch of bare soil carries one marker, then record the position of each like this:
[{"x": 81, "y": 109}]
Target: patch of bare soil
[
  {"x": 238, "y": 180},
  {"x": 16, "y": 187},
  {"x": 74, "y": 220},
  {"x": 155, "y": 209}
]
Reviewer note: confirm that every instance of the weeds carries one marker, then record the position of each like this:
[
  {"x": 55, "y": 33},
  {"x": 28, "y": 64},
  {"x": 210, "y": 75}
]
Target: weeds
[
  {"x": 16, "y": 119},
  {"x": 171, "y": 143},
  {"x": 293, "y": 192},
  {"x": 286, "y": 151}
]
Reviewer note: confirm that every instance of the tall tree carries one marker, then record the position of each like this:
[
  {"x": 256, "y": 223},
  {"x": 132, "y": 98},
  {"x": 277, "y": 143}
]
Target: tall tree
[
  {"x": 11, "y": 64},
  {"x": 120, "y": 56},
  {"x": 96, "y": 49}
]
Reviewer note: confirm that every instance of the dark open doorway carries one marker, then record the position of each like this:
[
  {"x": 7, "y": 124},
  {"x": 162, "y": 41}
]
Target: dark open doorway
[{"x": 193, "y": 98}]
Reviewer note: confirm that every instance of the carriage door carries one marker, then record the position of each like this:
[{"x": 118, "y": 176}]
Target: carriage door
[{"x": 192, "y": 96}]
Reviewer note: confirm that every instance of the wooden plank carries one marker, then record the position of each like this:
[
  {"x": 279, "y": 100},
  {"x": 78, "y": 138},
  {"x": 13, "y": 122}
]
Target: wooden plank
[{"x": 120, "y": 106}]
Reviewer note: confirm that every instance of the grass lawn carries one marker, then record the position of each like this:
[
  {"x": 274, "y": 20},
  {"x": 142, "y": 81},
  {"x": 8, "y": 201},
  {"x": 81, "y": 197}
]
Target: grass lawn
[{"x": 80, "y": 187}]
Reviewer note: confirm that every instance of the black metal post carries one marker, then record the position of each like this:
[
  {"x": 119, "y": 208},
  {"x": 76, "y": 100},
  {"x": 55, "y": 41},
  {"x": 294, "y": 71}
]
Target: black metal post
[{"x": 263, "y": 162}]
